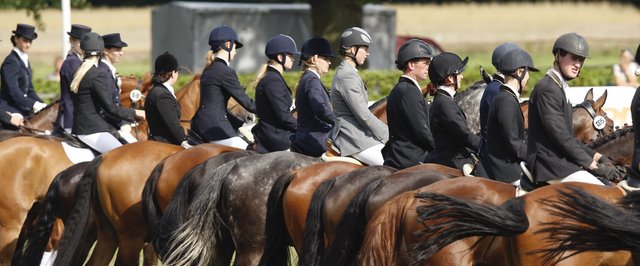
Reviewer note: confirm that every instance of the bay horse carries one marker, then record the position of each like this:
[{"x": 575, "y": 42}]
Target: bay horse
[
  {"x": 617, "y": 145},
  {"x": 584, "y": 115},
  {"x": 446, "y": 219},
  {"x": 29, "y": 165},
  {"x": 112, "y": 185},
  {"x": 350, "y": 229},
  {"x": 163, "y": 216},
  {"x": 592, "y": 224},
  {"x": 229, "y": 211}
]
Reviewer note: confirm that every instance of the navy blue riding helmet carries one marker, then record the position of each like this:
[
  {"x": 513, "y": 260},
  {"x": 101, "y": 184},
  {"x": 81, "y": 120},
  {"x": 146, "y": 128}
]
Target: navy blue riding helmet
[
  {"x": 221, "y": 34},
  {"x": 280, "y": 45},
  {"x": 316, "y": 46}
]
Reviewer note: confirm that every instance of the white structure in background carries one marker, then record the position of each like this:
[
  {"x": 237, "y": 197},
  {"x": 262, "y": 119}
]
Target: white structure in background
[
  {"x": 617, "y": 105},
  {"x": 66, "y": 26},
  {"x": 182, "y": 28}
]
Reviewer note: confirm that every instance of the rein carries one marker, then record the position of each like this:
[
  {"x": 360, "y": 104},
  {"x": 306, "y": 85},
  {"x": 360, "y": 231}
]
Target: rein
[{"x": 35, "y": 130}]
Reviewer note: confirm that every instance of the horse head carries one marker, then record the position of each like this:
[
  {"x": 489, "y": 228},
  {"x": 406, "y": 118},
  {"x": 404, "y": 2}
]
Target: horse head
[
  {"x": 590, "y": 121},
  {"x": 127, "y": 84}
]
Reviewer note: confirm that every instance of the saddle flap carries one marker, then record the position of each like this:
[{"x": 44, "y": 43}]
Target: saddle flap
[{"x": 194, "y": 138}]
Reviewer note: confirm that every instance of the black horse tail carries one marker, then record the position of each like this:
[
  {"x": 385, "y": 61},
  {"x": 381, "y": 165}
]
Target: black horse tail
[
  {"x": 350, "y": 231},
  {"x": 313, "y": 241},
  {"x": 194, "y": 241},
  {"x": 590, "y": 224},
  {"x": 455, "y": 219},
  {"x": 31, "y": 246},
  {"x": 19, "y": 257},
  {"x": 175, "y": 214},
  {"x": 277, "y": 240},
  {"x": 78, "y": 222},
  {"x": 151, "y": 212}
]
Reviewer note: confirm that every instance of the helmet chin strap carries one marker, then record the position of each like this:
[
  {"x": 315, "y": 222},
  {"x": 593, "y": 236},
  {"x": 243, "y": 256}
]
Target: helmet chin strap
[
  {"x": 353, "y": 56},
  {"x": 224, "y": 47}
]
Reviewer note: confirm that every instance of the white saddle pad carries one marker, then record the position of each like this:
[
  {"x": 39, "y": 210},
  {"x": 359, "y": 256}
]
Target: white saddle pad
[{"x": 77, "y": 155}]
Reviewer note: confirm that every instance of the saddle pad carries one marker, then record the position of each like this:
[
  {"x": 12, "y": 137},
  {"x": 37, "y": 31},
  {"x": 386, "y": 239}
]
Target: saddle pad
[
  {"x": 325, "y": 158},
  {"x": 77, "y": 155}
]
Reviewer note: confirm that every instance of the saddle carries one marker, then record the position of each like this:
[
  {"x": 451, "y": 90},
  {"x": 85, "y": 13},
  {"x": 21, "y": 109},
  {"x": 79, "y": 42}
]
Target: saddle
[{"x": 333, "y": 154}]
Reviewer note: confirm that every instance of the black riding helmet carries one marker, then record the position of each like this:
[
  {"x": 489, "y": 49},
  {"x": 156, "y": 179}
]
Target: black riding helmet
[
  {"x": 280, "y": 45},
  {"x": 444, "y": 65},
  {"x": 515, "y": 60},
  {"x": 92, "y": 44},
  {"x": 413, "y": 49},
  {"x": 316, "y": 46},
  {"x": 500, "y": 51}
]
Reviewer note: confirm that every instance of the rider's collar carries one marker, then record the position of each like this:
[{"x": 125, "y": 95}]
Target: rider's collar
[
  {"x": 314, "y": 72},
  {"x": 414, "y": 81},
  {"x": 170, "y": 88},
  {"x": 223, "y": 59},
  {"x": 557, "y": 77},
  {"x": 448, "y": 89},
  {"x": 513, "y": 90}
]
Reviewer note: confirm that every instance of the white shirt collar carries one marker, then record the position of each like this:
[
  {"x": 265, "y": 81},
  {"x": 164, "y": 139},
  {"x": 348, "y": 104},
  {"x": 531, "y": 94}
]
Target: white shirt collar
[
  {"x": 170, "y": 88},
  {"x": 314, "y": 72},
  {"x": 111, "y": 67},
  {"x": 414, "y": 82},
  {"x": 223, "y": 59},
  {"x": 514, "y": 90},
  {"x": 448, "y": 89},
  {"x": 23, "y": 56},
  {"x": 557, "y": 74}
]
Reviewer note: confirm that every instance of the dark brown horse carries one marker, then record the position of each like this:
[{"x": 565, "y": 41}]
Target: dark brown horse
[
  {"x": 29, "y": 165},
  {"x": 344, "y": 212},
  {"x": 617, "y": 145},
  {"x": 228, "y": 213},
  {"x": 447, "y": 219}
]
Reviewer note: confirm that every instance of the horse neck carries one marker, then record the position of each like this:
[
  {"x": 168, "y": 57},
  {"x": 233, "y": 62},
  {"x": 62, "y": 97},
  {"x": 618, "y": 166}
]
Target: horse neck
[
  {"x": 189, "y": 99},
  {"x": 44, "y": 119},
  {"x": 617, "y": 145}
]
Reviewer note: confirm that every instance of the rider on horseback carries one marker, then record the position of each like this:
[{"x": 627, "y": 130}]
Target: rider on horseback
[
  {"x": 633, "y": 179},
  {"x": 454, "y": 141},
  {"x": 357, "y": 132},
  {"x": 553, "y": 152},
  {"x": 162, "y": 107},
  {"x": 315, "y": 115},
  {"x": 64, "y": 120},
  {"x": 90, "y": 94},
  {"x": 506, "y": 141},
  {"x": 218, "y": 83},
  {"x": 273, "y": 97},
  {"x": 410, "y": 138}
]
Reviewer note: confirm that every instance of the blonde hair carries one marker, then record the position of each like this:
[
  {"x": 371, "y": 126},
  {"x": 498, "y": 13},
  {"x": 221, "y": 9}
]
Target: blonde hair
[
  {"x": 82, "y": 70},
  {"x": 208, "y": 59},
  {"x": 261, "y": 72},
  {"x": 307, "y": 64}
]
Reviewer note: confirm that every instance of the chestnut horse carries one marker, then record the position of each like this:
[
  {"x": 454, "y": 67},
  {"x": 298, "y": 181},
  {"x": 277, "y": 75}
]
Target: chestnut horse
[
  {"x": 29, "y": 165},
  {"x": 112, "y": 184},
  {"x": 445, "y": 219},
  {"x": 592, "y": 224},
  {"x": 229, "y": 211}
]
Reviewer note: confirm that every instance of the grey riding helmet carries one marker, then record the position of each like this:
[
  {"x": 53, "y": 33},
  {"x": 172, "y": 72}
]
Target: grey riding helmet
[
  {"x": 516, "y": 59},
  {"x": 355, "y": 36},
  {"x": 413, "y": 49},
  {"x": 444, "y": 65},
  {"x": 500, "y": 51},
  {"x": 572, "y": 43},
  {"x": 92, "y": 44}
]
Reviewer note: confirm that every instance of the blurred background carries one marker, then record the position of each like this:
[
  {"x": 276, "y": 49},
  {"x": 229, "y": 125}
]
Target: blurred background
[{"x": 468, "y": 28}]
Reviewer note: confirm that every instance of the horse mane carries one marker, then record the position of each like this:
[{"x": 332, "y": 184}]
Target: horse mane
[
  {"x": 610, "y": 137},
  {"x": 376, "y": 104},
  {"x": 49, "y": 106},
  {"x": 476, "y": 86}
]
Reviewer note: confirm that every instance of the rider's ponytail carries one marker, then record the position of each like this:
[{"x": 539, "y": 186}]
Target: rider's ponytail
[
  {"x": 262, "y": 72},
  {"x": 307, "y": 64},
  {"x": 82, "y": 70}
]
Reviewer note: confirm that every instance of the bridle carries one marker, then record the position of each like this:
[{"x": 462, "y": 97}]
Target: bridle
[{"x": 599, "y": 121}]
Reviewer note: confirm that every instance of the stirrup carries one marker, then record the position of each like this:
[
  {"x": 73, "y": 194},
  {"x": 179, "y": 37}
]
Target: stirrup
[{"x": 625, "y": 186}]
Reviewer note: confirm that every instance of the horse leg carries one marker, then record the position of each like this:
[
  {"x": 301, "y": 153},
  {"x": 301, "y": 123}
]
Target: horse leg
[
  {"x": 8, "y": 241},
  {"x": 107, "y": 242},
  {"x": 150, "y": 256},
  {"x": 129, "y": 250}
]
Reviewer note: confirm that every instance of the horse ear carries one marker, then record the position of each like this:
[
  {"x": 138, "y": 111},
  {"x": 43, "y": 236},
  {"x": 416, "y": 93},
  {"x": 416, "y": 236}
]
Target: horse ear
[
  {"x": 600, "y": 102},
  {"x": 589, "y": 96}
]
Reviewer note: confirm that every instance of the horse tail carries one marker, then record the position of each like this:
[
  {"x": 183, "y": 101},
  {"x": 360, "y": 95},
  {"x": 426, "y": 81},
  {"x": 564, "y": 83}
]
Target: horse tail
[
  {"x": 78, "y": 222},
  {"x": 349, "y": 232},
  {"x": 455, "y": 219},
  {"x": 22, "y": 246},
  {"x": 174, "y": 215},
  {"x": 383, "y": 233},
  {"x": 151, "y": 211},
  {"x": 590, "y": 224},
  {"x": 313, "y": 241},
  {"x": 193, "y": 243},
  {"x": 276, "y": 234}
]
